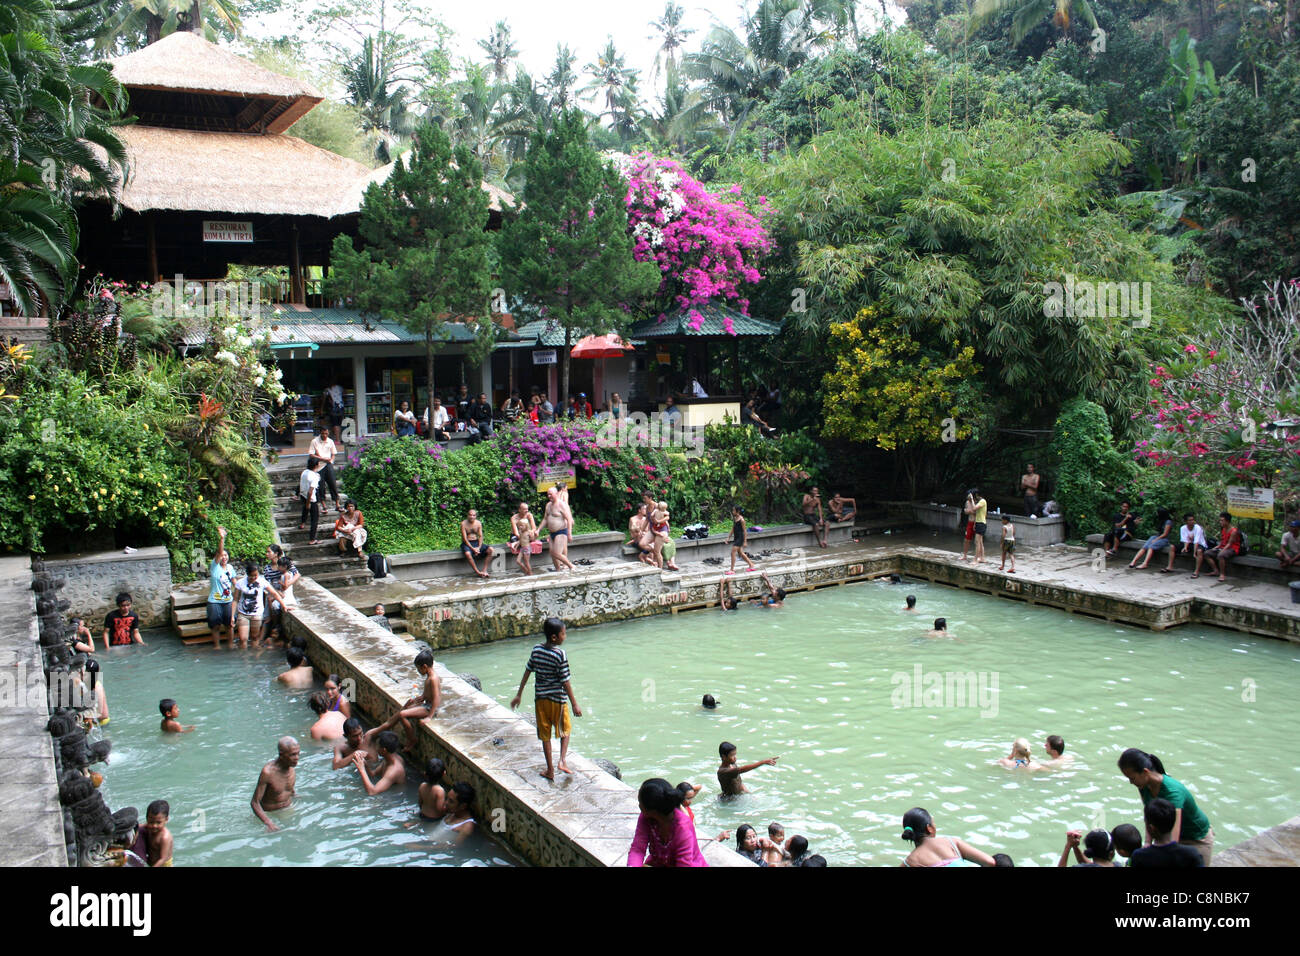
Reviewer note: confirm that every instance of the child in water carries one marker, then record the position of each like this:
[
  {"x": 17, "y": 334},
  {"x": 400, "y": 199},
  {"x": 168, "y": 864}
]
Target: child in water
[
  {"x": 1020, "y": 758},
  {"x": 729, "y": 772},
  {"x": 153, "y": 843},
  {"x": 170, "y": 712}
]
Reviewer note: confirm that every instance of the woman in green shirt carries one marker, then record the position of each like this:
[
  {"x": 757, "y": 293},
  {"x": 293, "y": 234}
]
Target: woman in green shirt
[{"x": 1147, "y": 773}]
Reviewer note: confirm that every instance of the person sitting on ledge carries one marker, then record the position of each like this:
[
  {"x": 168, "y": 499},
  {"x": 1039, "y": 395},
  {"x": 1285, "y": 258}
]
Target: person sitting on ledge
[
  {"x": 1290, "y": 553},
  {"x": 1157, "y": 542},
  {"x": 1121, "y": 529},
  {"x": 843, "y": 509},
  {"x": 351, "y": 527},
  {"x": 472, "y": 543},
  {"x": 423, "y": 705},
  {"x": 1231, "y": 544},
  {"x": 1192, "y": 537}
]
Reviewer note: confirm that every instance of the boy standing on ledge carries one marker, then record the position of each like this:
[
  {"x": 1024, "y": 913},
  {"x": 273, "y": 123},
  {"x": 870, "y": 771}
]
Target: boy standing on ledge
[{"x": 552, "y": 668}]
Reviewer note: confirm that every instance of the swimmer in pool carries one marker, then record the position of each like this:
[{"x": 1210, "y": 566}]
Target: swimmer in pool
[
  {"x": 460, "y": 811},
  {"x": 1056, "y": 755},
  {"x": 351, "y": 743},
  {"x": 391, "y": 772},
  {"x": 433, "y": 795},
  {"x": 299, "y": 675},
  {"x": 329, "y": 723},
  {"x": 1020, "y": 758},
  {"x": 940, "y": 628},
  {"x": 170, "y": 712},
  {"x": 911, "y": 603},
  {"x": 729, "y": 772},
  {"x": 726, "y": 600},
  {"x": 771, "y": 596},
  {"x": 275, "y": 783}
]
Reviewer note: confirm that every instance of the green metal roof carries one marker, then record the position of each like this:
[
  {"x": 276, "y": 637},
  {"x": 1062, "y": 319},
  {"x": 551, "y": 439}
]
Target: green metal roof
[
  {"x": 549, "y": 334},
  {"x": 301, "y": 328},
  {"x": 676, "y": 324}
]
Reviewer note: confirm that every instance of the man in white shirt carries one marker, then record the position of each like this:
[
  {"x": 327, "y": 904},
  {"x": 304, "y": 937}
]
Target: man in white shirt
[
  {"x": 1290, "y": 553},
  {"x": 438, "y": 424},
  {"x": 309, "y": 492},
  {"x": 334, "y": 407},
  {"x": 1192, "y": 535},
  {"x": 323, "y": 447}
]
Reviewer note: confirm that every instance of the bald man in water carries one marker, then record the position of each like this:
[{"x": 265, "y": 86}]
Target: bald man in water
[{"x": 275, "y": 784}]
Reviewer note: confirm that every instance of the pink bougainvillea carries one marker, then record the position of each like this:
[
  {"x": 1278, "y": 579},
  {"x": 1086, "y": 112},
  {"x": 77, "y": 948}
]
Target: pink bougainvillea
[{"x": 707, "y": 246}]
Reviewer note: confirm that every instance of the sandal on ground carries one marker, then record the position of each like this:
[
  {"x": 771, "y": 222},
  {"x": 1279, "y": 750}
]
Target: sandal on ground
[
  {"x": 1166, "y": 570},
  {"x": 1197, "y": 575}
]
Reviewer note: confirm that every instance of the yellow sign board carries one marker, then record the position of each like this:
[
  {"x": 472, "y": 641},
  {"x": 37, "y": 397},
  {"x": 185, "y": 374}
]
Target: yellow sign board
[
  {"x": 1246, "y": 502},
  {"x": 553, "y": 475}
]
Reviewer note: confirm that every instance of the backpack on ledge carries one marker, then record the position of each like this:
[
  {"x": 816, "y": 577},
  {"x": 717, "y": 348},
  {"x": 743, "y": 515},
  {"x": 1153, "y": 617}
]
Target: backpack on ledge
[{"x": 378, "y": 565}]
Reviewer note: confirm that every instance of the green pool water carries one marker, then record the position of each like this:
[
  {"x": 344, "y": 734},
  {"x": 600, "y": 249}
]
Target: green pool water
[
  {"x": 209, "y": 776},
  {"x": 821, "y": 683}
]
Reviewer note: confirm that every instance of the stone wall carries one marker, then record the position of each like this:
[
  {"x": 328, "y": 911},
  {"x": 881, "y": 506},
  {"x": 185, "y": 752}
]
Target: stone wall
[
  {"x": 586, "y": 818},
  {"x": 1030, "y": 532},
  {"x": 94, "y": 580}
]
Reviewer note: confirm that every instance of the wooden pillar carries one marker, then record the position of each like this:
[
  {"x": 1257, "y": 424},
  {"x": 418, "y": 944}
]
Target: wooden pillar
[
  {"x": 151, "y": 248},
  {"x": 297, "y": 291},
  {"x": 735, "y": 366}
]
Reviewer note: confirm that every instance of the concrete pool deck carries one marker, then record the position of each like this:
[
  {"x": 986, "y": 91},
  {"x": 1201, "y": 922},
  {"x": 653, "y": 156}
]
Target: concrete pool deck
[{"x": 31, "y": 819}]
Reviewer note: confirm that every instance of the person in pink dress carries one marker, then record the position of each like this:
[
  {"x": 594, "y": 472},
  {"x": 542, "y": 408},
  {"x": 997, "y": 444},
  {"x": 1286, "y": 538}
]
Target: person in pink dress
[{"x": 665, "y": 835}]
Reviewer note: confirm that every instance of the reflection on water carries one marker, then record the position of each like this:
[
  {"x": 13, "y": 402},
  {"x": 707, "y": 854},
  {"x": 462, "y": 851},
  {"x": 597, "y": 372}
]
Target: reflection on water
[
  {"x": 209, "y": 776},
  {"x": 870, "y": 717}
]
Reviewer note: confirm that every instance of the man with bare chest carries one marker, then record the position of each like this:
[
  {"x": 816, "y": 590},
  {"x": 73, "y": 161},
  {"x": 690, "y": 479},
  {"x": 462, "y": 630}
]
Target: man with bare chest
[
  {"x": 275, "y": 785},
  {"x": 1029, "y": 486}
]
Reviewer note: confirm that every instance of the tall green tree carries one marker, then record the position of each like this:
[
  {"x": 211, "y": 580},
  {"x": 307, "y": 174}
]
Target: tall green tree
[
  {"x": 567, "y": 253},
  {"x": 500, "y": 50},
  {"x": 423, "y": 252},
  {"x": 672, "y": 37},
  {"x": 56, "y": 144}
]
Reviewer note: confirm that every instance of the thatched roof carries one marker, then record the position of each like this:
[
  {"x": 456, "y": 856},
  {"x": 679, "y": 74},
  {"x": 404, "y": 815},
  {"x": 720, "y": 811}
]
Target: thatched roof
[
  {"x": 497, "y": 197},
  {"x": 236, "y": 173},
  {"x": 185, "y": 61}
]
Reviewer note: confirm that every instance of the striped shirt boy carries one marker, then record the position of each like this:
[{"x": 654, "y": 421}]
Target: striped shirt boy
[{"x": 551, "y": 667}]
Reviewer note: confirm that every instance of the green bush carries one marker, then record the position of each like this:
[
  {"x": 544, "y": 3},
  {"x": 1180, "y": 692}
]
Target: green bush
[
  {"x": 1091, "y": 467},
  {"x": 247, "y": 520}
]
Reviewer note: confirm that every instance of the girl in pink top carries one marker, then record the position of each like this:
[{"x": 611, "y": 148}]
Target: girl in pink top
[{"x": 665, "y": 835}]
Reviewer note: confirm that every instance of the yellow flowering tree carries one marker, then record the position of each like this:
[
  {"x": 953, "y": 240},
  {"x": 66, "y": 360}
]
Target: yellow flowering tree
[{"x": 886, "y": 390}]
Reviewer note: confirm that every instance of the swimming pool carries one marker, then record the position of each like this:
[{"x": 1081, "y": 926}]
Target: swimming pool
[
  {"x": 870, "y": 717},
  {"x": 209, "y": 776}
]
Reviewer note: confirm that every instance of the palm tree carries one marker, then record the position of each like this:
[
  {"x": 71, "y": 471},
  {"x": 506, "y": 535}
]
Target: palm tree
[
  {"x": 55, "y": 145},
  {"x": 487, "y": 117},
  {"x": 500, "y": 50},
  {"x": 673, "y": 37},
  {"x": 683, "y": 122},
  {"x": 151, "y": 20},
  {"x": 561, "y": 80},
  {"x": 1027, "y": 14},
  {"x": 610, "y": 79},
  {"x": 380, "y": 98}
]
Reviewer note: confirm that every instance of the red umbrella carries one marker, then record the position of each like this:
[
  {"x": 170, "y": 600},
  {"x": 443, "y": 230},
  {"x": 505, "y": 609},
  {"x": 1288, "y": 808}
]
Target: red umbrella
[{"x": 600, "y": 346}]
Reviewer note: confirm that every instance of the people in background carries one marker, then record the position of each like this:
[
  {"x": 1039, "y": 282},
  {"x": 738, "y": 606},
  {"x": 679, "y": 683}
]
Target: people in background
[
  {"x": 309, "y": 492},
  {"x": 351, "y": 528},
  {"x": 1008, "y": 544},
  {"x": 1157, "y": 542},
  {"x": 1020, "y": 758},
  {"x": 1231, "y": 544},
  {"x": 617, "y": 408},
  {"x": 1290, "y": 552},
  {"x": 463, "y": 402},
  {"x": 480, "y": 416},
  {"x": 1122, "y": 526},
  {"x": 221, "y": 593},
  {"x": 380, "y": 617},
  {"x": 749, "y": 416},
  {"x": 665, "y": 832},
  {"x": 472, "y": 543},
  {"x": 523, "y": 532},
  {"x": 559, "y": 523},
  {"x": 299, "y": 675},
  {"x": 334, "y": 408},
  {"x": 813, "y": 516},
  {"x": 275, "y": 785},
  {"x": 842, "y": 508},
  {"x": 122, "y": 627},
  {"x": 436, "y": 420},
  {"x": 1029, "y": 488},
  {"x": 404, "y": 420},
  {"x": 1191, "y": 537},
  {"x": 1189, "y": 824},
  {"x": 512, "y": 408},
  {"x": 323, "y": 448},
  {"x": 977, "y": 512},
  {"x": 1163, "y": 848},
  {"x": 739, "y": 539},
  {"x": 671, "y": 415},
  {"x": 553, "y": 685}
]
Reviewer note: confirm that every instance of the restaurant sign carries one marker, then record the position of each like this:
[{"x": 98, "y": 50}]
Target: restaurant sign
[
  {"x": 544, "y": 357},
  {"x": 220, "y": 230}
]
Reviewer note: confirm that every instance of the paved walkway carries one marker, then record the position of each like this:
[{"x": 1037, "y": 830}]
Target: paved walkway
[{"x": 31, "y": 820}]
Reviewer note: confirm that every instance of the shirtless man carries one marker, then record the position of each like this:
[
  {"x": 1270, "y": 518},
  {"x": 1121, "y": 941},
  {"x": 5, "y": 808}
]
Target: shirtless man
[
  {"x": 349, "y": 745},
  {"x": 812, "y": 515},
  {"x": 524, "y": 527},
  {"x": 638, "y": 531},
  {"x": 1029, "y": 487},
  {"x": 842, "y": 508},
  {"x": 329, "y": 723},
  {"x": 559, "y": 522},
  {"x": 471, "y": 542},
  {"x": 390, "y": 771},
  {"x": 730, "y": 771},
  {"x": 275, "y": 784},
  {"x": 299, "y": 675}
]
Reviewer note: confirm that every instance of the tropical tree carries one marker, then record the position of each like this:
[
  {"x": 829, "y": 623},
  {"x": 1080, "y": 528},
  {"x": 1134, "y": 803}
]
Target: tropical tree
[
  {"x": 611, "y": 80},
  {"x": 379, "y": 97},
  {"x": 559, "y": 83},
  {"x": 55, "y": 144},
  {"x": 672, "y": 37},
  {"x": 567, "y": 254},
  {"x": 423, "y": 250},
  {"x": 500, "y": 50},
  {"x": 1027, "y": 14},
  {"x": 137, "y": 23}
]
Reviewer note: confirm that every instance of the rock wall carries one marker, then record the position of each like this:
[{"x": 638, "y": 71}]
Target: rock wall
[{"x": 94, "y": 580}]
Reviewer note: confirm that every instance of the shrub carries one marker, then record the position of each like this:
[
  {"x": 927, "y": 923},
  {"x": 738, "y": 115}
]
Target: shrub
[{"x": 1091, "y": 469}]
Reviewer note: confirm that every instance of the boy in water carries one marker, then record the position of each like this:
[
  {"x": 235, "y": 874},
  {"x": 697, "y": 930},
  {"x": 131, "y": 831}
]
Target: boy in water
[
  {"x": 424, "y": 705},
  {"x": 911, "y": 603},
  {"x": 157, "y": 839},
  {"x": 170, "y": 712},
  {"x": 553, "y": 684},
  {"x": 391, "y": 772},
  {"x": 349, "y": 745},
  {"x": 299, "y": 675},
  {"x": 729, "y": 772}
]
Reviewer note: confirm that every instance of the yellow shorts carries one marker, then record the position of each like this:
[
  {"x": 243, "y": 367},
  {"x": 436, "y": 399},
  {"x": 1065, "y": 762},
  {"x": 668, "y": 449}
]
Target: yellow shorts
[{"x": 552, "y": 715}]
